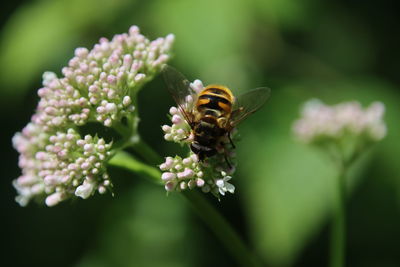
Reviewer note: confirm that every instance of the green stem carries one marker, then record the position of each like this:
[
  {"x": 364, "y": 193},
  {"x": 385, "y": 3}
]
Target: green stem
[
  {"x": 338, "y": 230},
  {"x": 122, "y": 129},
  {"x": 211, "y": 217},
  {"x": 145, "y": 151},
  {"x": 126, "y": 134},
  {"x": 223, "y": 231},
  {"x": 124, "y": 160}
]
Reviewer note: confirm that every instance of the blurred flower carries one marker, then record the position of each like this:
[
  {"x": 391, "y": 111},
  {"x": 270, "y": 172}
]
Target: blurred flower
[
  {"x": 99, "y": 85},
  {"x": 188, "y": 173},
  {"x": 344, "y": 125},
  {"x": 321, "y": 121}
]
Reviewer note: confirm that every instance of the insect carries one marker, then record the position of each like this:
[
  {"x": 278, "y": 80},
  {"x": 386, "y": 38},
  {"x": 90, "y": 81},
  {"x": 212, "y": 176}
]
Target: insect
[{"x": 215, "y": 111}]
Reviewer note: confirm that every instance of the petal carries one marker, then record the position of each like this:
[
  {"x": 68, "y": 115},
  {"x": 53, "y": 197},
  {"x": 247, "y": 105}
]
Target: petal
[
  {"x": 221, "y": 191},
  {"x": 227, "y": 178},
  {"x": 220, "y": 183},
  {"x": 230, "y": 187}
]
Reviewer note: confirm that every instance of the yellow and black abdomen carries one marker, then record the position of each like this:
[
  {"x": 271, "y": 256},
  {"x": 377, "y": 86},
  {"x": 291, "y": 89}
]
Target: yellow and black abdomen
[
  {"x": 216, "y": 100},
  {"x": 214, "y": 106}
]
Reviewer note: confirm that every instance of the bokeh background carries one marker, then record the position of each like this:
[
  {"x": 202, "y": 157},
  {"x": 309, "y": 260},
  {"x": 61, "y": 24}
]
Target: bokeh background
[{"x": 332, "y": 50}]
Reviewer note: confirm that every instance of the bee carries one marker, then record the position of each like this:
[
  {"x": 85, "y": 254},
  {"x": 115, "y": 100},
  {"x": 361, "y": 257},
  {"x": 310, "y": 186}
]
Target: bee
[{"x": 215, "y": 111}]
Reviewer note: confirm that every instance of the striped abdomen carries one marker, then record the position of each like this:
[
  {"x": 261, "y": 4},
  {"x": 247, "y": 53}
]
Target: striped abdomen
[
  {"x": 214, "y": 106},
  {"x": 215, "y": 100}
]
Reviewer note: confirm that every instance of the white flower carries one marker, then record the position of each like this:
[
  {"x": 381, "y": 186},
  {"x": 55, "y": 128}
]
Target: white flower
[
  {"x": 86, "y": 189},
  {"x": 224, "y": 186},
  {"x": 188, "y": 173}
]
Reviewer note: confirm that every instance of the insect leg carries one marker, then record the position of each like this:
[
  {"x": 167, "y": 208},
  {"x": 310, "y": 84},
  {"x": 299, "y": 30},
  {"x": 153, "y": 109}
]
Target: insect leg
[
  {"x": 190, "y": 135},
  {"x": 225, "y": 155},
  {"x": 227, "y": 161},
  {"x": 230, "y": 140},
  {"x": 183, "y": 139}
]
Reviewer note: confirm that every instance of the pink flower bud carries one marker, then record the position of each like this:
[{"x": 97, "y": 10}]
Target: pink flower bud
[
  {"x": 169, "y": 186},
  {"x": 54, "y": 199},
  {"x": 126, "y": 101},
  {"x": 166, "y": 128},
  {"x": 173, "y": 110},
  {"x": 182, "y": 185},
  {"x": 166, "y": 176},
  {"x": 187, "y": 173},
  {"x": 176, "y": 119},
  {"x": 199, "y": 182},
  {"x": 112, "y": 79},
  {"x": 187, "y": 161}
]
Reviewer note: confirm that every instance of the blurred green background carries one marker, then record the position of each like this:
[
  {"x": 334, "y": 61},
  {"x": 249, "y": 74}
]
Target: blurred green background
[{"x": 332, "y": 50}]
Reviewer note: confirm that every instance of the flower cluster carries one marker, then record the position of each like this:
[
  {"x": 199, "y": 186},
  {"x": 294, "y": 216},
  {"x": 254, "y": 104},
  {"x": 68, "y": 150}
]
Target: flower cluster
[
  {"x": 344, "y": 129},
  {"x": 320, "y": 121},
  {"x": 59, "y": 165},
  {"x": 179, "y": 131},
  {"x": 180, "y": 174},
  {"x": 99, "y": 85},
  {"x": 188, "y": 173}
]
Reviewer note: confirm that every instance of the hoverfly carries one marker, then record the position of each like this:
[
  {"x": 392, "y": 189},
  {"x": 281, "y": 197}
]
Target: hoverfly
[{"x": 215, "y": 111}]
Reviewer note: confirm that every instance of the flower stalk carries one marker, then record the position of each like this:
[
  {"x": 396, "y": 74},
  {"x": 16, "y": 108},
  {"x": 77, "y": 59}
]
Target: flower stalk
[
  {"x": 206, "y": 212},
  {"x": 343, "y": 132},
  {"x": 126, "y": 161},
  {"x": 338, "y": 228},
  {"x": 222, "y": 230}
]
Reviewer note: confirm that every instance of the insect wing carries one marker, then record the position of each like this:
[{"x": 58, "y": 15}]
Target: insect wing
[
  {"x": 179, "y": 88},
  {"x": 248, "y": 103}
]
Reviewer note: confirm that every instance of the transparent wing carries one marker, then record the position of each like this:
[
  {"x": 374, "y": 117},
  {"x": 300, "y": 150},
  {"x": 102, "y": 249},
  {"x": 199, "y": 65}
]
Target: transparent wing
[
  {"x": 248, "y": 103},
  {"x": 179, "y": 88}
]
